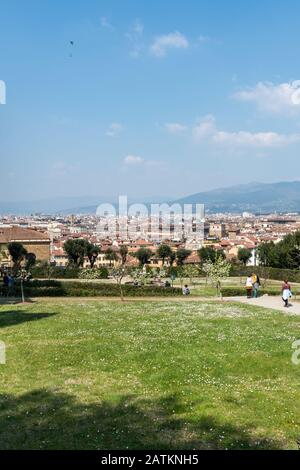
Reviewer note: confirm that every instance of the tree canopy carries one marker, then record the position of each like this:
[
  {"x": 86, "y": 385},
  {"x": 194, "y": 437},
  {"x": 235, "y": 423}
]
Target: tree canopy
[
  {"x": 164, "y": 252},
  {"x": 76, "y": 251},
  {"x": 181, "y": 255},
  {"x": 244, "y": 255},
  {"x": 143, "y": 255},
  {"x": 283, "y": 255},
  {"x": 18, "y": 253}
]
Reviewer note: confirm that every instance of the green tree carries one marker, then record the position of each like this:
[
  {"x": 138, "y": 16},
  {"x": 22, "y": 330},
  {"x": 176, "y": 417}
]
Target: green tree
[
  {"x": 76, "y": 251},
  {"x": 217, "y": 271},
  {"x": 266, "y": 253},
  {"x": 17, "y": 253},
  {"x": 206, "y": 268},
  {"x": 288, "y": 251},
  {"x": 191, "y": 271},
  {"x": 123, "y": 250},
  {"x": 172, "y": 258},
  {"x": 30, "y": 259},
  {"x": 180, "y": 272},
  {"x": 140, "y": 277},
  {"x": 164, "y": 252},
  {"x": 118, "y": 273},
  {"x": 143, "y": 255},
  {"x": 244, "y": 255},
  {"x": 92, "y": 251},
  {"x": 111, "y": 255},
  {"x": 207, "y": 253},
  {"x": 283, "y": 255},
  {"x": 181, "y": 255}
]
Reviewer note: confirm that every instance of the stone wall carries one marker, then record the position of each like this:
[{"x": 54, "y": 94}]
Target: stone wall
[{"x": 40, "y": 249}]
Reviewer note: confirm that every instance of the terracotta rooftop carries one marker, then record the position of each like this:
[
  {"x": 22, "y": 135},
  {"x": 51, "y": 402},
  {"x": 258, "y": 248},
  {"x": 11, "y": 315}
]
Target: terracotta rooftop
[
  {"x": 19, "y": 234},
  {"x": 192, "y": 258}
]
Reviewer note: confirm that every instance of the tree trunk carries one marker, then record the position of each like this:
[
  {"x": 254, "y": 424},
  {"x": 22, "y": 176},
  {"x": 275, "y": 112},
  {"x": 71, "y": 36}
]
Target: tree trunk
[{"x": 121, "y": 291}]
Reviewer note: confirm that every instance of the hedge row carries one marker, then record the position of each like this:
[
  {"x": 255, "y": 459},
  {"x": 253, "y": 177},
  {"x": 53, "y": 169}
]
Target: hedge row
[
  {"x": 56, "y": 272},
  {"x": 240, "y": 291},
  {"x": 293, "y": 275},
  {"x": 80, "y": 289}
]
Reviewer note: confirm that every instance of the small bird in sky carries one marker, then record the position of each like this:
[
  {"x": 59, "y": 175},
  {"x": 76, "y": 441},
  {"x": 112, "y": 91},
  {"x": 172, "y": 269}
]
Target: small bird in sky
[{"x": 71, "y": 44}]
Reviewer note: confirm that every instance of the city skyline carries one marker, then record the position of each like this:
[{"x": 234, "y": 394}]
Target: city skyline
[{"x": 106, "y": 99}]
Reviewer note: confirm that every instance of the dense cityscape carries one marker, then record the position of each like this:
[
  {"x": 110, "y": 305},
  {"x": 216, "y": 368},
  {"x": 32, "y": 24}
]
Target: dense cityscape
[{"x": 46, "y": 236}]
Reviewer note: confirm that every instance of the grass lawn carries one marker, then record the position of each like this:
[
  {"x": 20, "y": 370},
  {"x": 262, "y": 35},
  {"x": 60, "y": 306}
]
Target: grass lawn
[
  {"x": 199, "y": 286},
  {"x": 86, "y": 374},
  {"x": 202, "y": 288}
]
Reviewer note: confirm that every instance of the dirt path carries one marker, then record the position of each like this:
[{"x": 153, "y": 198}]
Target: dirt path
[{"x": 268, "y": 301}]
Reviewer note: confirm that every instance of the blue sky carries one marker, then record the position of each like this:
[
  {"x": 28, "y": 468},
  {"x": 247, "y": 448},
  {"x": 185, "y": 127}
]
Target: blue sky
[{"x": 152, "y": 99}]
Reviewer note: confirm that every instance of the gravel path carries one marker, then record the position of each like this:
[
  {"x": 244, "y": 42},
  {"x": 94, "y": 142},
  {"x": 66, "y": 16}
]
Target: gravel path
[{"x": 268, "y": 301}]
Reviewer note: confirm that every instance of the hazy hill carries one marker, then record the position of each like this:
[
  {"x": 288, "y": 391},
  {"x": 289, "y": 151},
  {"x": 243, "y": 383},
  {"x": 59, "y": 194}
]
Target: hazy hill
[{"x": 253, "y": 197}]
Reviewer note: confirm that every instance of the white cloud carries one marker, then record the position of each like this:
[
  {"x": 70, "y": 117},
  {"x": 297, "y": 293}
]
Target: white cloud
[
  {"x": 135, "y": 31},
  {"x": 133, "y": 160},
  {"x": 206, "y": 129},
  {"x": 114, "y": 129},
  {"x": 161, "y": 44},
  {"x": 105, "y": 23},
  {"x": 175, "y": 127},
  {"x": 134, "y": 36},
  {"x": 202, "y": 39},
  {"x": 138, "y": 27},
  {"x": 258, "y": 139},
  {"x": 282, "y": 99},
  {"x": 61, "y": 168},
  {"x": 136, "y": 51}
]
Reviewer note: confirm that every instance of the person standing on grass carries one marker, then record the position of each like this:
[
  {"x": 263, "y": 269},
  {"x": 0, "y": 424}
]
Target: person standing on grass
[
  {"x": 249, "y": 287},
  {"x": 286, "y": 293},
  {"x": 5, "y": 283},
  {"x": 5, "y": 280},
  {"x": 255, "y": 285},
  {"x": 11, "y": 283}
]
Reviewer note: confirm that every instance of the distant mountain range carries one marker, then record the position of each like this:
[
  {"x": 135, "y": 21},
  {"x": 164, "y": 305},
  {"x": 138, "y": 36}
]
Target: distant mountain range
[
  {"x": 48, "y": 206},
  {"x": 253, "y": 197},
  {"x": 65, "y": 205}
]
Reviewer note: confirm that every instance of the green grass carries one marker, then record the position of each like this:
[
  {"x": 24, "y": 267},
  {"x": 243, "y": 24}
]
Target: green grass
[
  {"x": 202, "y": 288},
  {"x": 84, "y": 374}
]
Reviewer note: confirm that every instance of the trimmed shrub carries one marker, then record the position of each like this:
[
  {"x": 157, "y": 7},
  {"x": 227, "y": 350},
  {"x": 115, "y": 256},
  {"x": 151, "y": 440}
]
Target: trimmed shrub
[
  {"x": 293, "y": 275},
  {"x": 41, "y": 283},
  {"x": 44, "y": 271},
  {"x": 95, "y": 273},
  {"x": 81, "y": 289},
  {"x": 241, "y": 291}
]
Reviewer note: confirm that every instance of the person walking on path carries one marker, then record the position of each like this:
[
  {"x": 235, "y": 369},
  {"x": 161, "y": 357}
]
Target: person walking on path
[
  {"x": 286, "y": 293},
  {"x": 249, "y": 287}
]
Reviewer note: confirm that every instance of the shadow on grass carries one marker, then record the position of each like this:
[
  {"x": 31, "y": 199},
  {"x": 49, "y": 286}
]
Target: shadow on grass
[
  {"x": 12, "y": 317},
  {"x": 14, "y": 300},
  {"x": 53, "y": 420}
]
